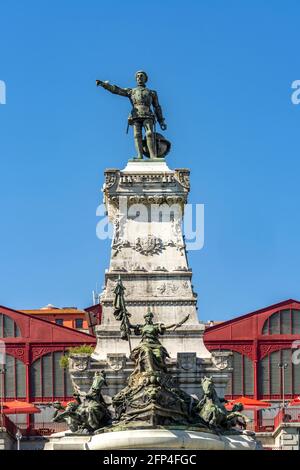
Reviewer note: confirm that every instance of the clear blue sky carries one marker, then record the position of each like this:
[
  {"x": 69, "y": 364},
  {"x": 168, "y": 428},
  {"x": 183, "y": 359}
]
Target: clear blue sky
[{"x": 223, "y": 70}]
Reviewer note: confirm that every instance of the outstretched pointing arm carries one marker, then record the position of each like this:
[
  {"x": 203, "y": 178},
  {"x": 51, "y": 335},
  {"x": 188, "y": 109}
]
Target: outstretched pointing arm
[
  {"x": 177, "y": 325},
  {"x": 114, "y": 88}
]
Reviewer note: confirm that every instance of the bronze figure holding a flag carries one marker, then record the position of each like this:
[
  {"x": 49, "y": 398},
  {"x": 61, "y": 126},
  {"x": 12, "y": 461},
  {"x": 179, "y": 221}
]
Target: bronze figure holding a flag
[{"x": 120, "y": 312}]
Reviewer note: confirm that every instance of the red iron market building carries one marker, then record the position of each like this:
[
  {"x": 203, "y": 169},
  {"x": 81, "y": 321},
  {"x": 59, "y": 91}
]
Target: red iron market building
[
  {"x": 264, "y": 357},
  {"x": 32, "y": 372},
  {"x": 263, "y": 344}
]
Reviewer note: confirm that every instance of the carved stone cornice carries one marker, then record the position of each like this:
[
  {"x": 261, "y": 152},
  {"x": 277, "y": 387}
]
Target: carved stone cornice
[
  {"x": 127, "y": 179},
  {"x": 147, "y": 188},
  {"x": 152, "y": 301},
  {"x": 132, "y": 275},
  {"x": 147, "y": 199},
  {"x": 147, "y": 246},
  {"x": 111, "y": 176},
  {"x": 182, "y": 175}
]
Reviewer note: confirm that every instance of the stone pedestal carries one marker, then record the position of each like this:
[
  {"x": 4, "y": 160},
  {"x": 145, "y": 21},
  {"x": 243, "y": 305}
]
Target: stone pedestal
[
  {"x": 145, "y": 204},
  {"x": 154, "y": 439}
]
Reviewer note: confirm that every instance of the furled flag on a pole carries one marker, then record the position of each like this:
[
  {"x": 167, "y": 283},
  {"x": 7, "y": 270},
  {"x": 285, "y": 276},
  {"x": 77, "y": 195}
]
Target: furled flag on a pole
[{"x": 120, "y": 312}]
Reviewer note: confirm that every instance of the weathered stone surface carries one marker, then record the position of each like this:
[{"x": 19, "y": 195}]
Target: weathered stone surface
[
  {"x": 155, "y": 439},
  {"x": 150, "y": 256}
]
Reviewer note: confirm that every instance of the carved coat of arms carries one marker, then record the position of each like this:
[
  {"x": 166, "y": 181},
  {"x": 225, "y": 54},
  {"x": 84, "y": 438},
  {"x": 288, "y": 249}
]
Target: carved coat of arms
[
  {"x": 149, "y": 245},
  {"x": 187, "y": 361},
  {"x": 220, "y": 360},
  {"x": 116, "y": 361},
  {"x": 79, "y": 362}
]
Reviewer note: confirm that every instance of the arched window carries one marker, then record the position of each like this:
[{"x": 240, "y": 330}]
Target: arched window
[
  {"x": 270, "y": 375},
  {"x": 283, "y": 322},
  {"x": 241, "y": 381},
  {"x": 8, "y": 327},
  {"x": 48, "y": 379},
  {"x": 14, "y": 378}
]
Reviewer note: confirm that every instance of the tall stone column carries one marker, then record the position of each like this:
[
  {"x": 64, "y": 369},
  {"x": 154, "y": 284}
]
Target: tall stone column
[{"x": 145, "y": 203}]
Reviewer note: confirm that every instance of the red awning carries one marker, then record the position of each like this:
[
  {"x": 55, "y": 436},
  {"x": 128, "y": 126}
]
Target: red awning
[
  {"x": 19, "y": 407},
  {"x": 295, "y": 402},
  {"x": 248, "y": 403},
  {"x": 64, "y": 403}
]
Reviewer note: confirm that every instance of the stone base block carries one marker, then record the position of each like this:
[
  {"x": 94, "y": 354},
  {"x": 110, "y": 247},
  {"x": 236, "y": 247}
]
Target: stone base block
[{"x": 154, "y": 439}]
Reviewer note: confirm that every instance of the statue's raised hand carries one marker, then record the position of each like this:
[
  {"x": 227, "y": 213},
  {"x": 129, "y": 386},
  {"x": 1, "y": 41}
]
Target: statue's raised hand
[{"x": 101, "y": 83}]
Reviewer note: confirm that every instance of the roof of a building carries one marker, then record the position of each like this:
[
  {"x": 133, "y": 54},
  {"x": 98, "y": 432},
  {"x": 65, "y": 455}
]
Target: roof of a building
[
  {"x": 211, "y": 323},
  {"x": 39, "y": 330},
  {"x": 278, "y": 306},
  {"x": 51, "y": 309}
]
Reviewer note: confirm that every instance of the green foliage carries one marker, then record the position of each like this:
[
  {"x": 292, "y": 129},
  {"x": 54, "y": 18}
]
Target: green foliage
[
  {"x": 64, "y": 362},
  {"x": 83, "y": 349}
]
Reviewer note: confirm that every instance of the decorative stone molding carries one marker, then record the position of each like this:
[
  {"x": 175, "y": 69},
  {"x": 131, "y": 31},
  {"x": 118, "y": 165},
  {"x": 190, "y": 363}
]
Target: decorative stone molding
[
  {"x": 110, "y": 178},
  {"x": 178, "y": 287},
  {"x": 148, "y": 199},
  {"x": 169, "y": 288},
  {"x": 160, "y": 178},
  {"x": 187, "y": 361},
  {"x": 160, "y": 268},
  {"x": 116, "y": 361},
  {"x": 129, "y": 275},
  {"x": 79, "y": 362},
  {"x": 121, "y": 269},
  {"x": 118, "y": 245},
  {"x": 138, "y": 267},
  {"x": 149, "y": 245},
  {"x": 183, "y": 177},
  {"x": 153, "y": 301},
  {"x": 221, "y": 360}
]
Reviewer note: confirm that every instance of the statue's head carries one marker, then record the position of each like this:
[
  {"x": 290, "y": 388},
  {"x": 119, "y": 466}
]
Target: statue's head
[
  {"x": 207, "y": 385},
  {"x": 141, "y": 77},
  {"x": 149, "y": 317}
]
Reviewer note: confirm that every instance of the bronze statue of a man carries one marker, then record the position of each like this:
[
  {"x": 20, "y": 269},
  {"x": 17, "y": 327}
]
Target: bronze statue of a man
[{"x": 145, "y": 111}]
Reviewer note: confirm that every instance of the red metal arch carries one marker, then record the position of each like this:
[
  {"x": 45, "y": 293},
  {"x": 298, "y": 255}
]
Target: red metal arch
[
  {"x": 244, "y": 349},
  {"x": 39, "y": 351},
  {"x": 267, "y": 349},
  {"x": 20, "y": 327}
]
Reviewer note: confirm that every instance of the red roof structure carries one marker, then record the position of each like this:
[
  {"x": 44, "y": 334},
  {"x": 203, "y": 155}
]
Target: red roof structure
[
  {"x": 261, "y": 343},
  {"x": 33, "y": 348}
]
